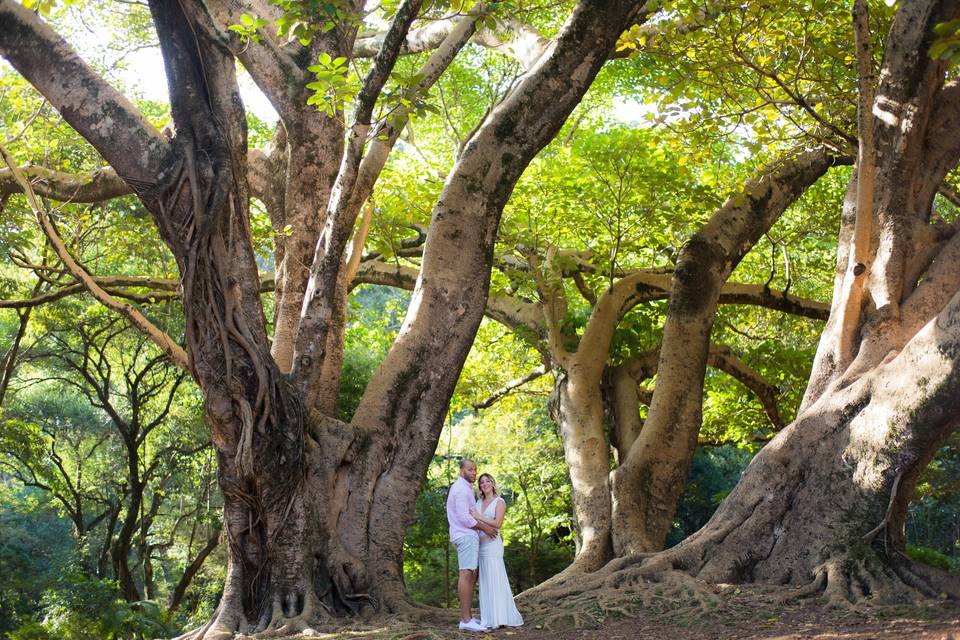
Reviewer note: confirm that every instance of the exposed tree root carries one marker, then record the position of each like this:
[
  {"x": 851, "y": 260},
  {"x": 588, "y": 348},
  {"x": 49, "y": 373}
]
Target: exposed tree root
[
  {"x": 621, "y": 589},
  {"x": 281, "y": 624},
  {"x": 860, "y": 584},
  {"x": 928, "y": 580},
  {"x": 657, "y": 584},
  {"x": 307, "y": 615},
  {"x": 215, "y": 629},
  {"x": 406, "y": 610}
]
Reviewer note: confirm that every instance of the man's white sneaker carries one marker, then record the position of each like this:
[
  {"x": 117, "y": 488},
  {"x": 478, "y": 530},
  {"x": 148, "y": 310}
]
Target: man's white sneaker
[
  {"x": 472, "y": 625},
  {"x": 477, "y": 620}
]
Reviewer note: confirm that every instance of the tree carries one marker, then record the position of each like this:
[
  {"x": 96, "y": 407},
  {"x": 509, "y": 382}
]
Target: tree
[
  {"x": 302, "y": 490},
  {"x": 823, "y": 504},
  {"x": 102, "y": 426}
]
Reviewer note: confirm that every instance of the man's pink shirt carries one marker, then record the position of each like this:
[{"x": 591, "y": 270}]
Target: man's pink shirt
[{"x": 459, "y": 502}]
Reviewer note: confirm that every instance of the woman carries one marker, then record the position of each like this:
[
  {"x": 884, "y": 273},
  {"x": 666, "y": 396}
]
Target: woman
[{"x": 496, "y": 600}]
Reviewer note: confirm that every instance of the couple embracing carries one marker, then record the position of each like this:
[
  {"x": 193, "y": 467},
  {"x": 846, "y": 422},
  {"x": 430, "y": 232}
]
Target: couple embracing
[{"x": 475, "y": 532}]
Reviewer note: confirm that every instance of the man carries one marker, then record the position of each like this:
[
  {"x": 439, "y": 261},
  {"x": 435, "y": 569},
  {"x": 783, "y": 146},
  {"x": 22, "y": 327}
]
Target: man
[{"x": 465, "y": 537}]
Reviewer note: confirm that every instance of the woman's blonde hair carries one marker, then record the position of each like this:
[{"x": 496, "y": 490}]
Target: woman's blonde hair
[{"x": 492, "y": 481}]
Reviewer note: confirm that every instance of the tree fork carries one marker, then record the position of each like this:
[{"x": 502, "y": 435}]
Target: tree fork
[
  {"x": 821, "y": 505},
  {"x": 649, "y": 481}
]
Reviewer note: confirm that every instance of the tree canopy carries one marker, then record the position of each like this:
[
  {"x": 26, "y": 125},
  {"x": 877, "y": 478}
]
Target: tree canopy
[{"x": 611, "y": 249}]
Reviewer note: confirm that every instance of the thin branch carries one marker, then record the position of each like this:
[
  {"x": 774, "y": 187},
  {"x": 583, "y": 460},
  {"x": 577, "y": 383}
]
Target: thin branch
[
  {"x": 510, "y": 387},
  {"x": 584, "y": 289},
  {"x": 950, "y": 194},
  {"x": 721, "y": 357},
  {"x": 724, "y": 359},
  {"x": 521, "y": 42},
  {"x": 356, "y": 245},
  {"x": 9, "y": 362},
  {"x": 192, "y": 570},
  {"x": 161, "y": 339},
  {"x": 553, "y": 305},
  {"x": 888, "y": 514}
]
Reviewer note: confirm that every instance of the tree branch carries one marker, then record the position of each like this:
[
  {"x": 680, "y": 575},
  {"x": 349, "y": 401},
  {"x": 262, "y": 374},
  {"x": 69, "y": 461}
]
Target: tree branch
[
  {"x": 759, "y": 296},
  {"x": 104, "y": 184},
  {"x": 173, "y": 350},
  {"x": 95, "y": 186},
  {"x": 511, "y": 386},
  {"x": 160, "y": 290},
  {"x": 553, "y": 304},
  {"x": 950, "y": 194},
  {"x": 721, "y": 357},
  {"x": 523, "y": 317},
  {"x": 88, "y": 103},
  {"x": 523, "y": 43},
  {"x": 321, "y": 312},
  {"x": 192, "y": 570},
  {"x": 941, "y": 148},
  {"x": 859, "y": 262},
  {"x": 356, "y": 245},
  {"x": 388, "y": 131},
  {"x": 9, "y": 361},
  {"x": 271, "y": 64}
]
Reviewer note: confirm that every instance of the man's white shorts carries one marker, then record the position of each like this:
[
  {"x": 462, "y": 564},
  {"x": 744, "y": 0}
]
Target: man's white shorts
[{"x": 468, "y": 552}]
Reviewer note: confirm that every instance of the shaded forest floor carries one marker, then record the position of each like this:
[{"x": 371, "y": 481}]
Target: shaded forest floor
[{"x": 749, "y": 615}]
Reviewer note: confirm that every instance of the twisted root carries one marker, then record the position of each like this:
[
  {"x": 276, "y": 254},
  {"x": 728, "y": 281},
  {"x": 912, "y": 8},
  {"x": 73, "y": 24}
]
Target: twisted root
[{"x": 314, "y": 612}]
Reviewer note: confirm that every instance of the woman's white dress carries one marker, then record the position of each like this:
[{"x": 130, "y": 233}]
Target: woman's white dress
[{"x": 496, "y": 600}]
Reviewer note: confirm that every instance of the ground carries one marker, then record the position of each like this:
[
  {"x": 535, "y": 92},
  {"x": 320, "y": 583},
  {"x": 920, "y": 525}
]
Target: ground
[{"x": 746, "y": 613}]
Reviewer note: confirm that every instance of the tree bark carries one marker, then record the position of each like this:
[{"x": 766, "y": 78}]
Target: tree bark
[
  {"x": 699, "y": 284},
  {"x": 650, "y": 480}
]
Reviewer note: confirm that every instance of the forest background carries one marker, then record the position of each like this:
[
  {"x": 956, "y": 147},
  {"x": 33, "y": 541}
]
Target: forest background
[{"x": 109, "y": 505}]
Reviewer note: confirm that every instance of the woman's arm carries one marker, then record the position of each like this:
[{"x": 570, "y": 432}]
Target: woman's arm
[{"x": 493, "y": 522}]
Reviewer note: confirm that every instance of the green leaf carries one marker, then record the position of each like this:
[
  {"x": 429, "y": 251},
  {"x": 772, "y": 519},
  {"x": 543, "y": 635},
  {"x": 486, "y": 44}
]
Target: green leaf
[{"x": 947, "y": 28}]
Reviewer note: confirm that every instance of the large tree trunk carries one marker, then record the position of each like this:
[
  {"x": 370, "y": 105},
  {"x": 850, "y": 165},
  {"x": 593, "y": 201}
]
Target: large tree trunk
[
  {"x": 576, "y": 405},
  {"x": 311, "y": 147},
  {"x": 635, "y": 512},
  {"x": 824, "y": 503},
  {"x": 650, "y": 480},
  {"x": 826, "y": 499},
  {"x": 314, "y": 509}
]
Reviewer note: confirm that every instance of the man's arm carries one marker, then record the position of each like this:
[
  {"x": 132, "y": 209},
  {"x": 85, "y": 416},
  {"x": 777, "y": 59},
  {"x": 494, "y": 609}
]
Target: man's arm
[
  {"x": 478, "y": 524},
  {"x": 461, "y": 511},
  {"x": 462, "y": 506}
]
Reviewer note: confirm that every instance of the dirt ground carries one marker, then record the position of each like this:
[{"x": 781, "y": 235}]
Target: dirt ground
[
  {"x": 799, "y": 624},
  {"x": 808, "y": 619}
]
